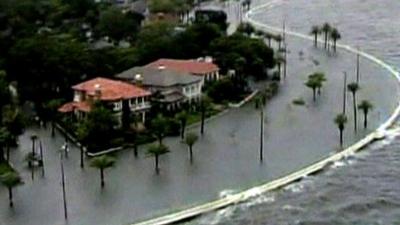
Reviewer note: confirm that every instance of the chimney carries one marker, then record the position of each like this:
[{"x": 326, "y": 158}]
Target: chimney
[
  {"x": 97, "y": 91},
  {"x": 161, "y": 67},
  {"x": 138, "y": 79}
]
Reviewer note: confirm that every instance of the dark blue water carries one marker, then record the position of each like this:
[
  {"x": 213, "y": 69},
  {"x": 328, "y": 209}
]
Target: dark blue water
[{"x": 364, "y": 189}]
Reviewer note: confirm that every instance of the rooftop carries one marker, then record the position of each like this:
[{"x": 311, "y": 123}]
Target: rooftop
[
  {"x": 185, "y": 65},
  {"x": 110, "y": 90},
  {"x": 161, "y": 77}
]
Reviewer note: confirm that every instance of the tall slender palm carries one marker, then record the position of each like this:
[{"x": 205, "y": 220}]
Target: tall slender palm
[
  {"x": 191, "y": 139},
  {"x": 365, "y": 106},
  {"x": 11, "y": 180},
  {"x": 340, "y": 121},
  {"x": 335, "y": 35},
  {"x": 156, "y": 150},
  {"x": 102, "y": 162},
  {"x": 353, "y": 88},
  {"x": 313, "y": 83},
  {"x": 326, "y": 28},
  {"x": 261, "y": 101},
  {"x": 205, "y": 104},
  {"x": 182, "y": 117},
  {"x": 315, "y": 30}
]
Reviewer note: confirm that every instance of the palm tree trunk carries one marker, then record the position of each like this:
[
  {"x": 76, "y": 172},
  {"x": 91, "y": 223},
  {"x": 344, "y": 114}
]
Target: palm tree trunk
[
  {"x": 102, "y": 177},
  {"x": 315, "y": 39},
  {"x": 269, "y": 42},
  {"x": 82, "y": 161},
  {"x": 10, "y": 196},
  {"x": 261, "y": 133},
  {"x": 334, "y": 45},
  {"x": 53, "y": 133},
  {"x": 355, "y": 111},
  {"x": 365, "y": 119},
  {"x": 341, "y": 137},
  {"x": 1, "y": 154},
  {"x": 8, "y": 152},
  {"x": 279, "y": 69},
  {"x": 135, "y": 150},
  {"x": 326, "y": 39},
  {"x": 191, "y": 153},
  {"x": 183, "y": 126},
  {"x": 157, "y": 169},
  {"x": 314, "y": 97}
]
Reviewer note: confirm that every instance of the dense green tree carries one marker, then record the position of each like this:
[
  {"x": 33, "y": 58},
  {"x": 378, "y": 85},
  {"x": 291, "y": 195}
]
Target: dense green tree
[
  {"x": 190, "y": 140},
  {"x": 156, "y": 150},
  {"x": 97, "y": 128},
  {"x": 116, "y": 25},
  {"x": 217, "y": 17},
  {"x": 159, "y": 127},
  {"x": 365, "y": 106},
  {"x": 11, "y": 180},
  {"x": 341, "y": 120},
  {"x": 102, "y": 162},
  {"x": 353, "y": 88},
  {"x": 50, "y": 112}
]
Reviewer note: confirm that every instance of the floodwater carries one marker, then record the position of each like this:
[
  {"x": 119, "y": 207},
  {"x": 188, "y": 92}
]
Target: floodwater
[
  {"x": 225, "y": 158},
  {"x": 364, "y": 189}
]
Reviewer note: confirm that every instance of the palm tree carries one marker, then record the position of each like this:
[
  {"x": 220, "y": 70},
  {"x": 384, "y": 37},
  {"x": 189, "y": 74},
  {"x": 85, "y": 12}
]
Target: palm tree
[
  {"x": 335, "y": 35},
  {"x": 11, "y": 180},
  {"x": 204, "y": 106},
  {"x": 191, "y": 139},
  {"x": 156, "y": 150},
  {"x": 182, "y": 117},
  {"x": 353, "y": 88},
  {"x": 159, "y": 127},
  {"x": 340, "y": 121},
  {"x": 326, "y": 28},
  {"x": 365, "y": 106},
  {"x": 102, "y": 162},
  {"x": 320, "y": 77},
  {"x": 313, "y": 84},
  {"x": 315, "y": 30},
  {"x": 261, "y": 100}
]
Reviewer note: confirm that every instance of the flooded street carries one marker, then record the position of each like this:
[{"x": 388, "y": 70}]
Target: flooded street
[{"x": 365, "y": 188}]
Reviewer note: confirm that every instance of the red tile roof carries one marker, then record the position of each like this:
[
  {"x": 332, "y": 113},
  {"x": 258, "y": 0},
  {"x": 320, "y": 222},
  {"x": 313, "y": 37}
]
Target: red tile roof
[
  {"x": 72, "y": 106},
  {"x": 189, "y": 66},
  {"x": 110, "y": 90}
]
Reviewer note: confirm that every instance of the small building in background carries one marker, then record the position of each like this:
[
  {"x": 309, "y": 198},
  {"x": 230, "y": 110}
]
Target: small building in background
[{"x": 112, "y": 93}]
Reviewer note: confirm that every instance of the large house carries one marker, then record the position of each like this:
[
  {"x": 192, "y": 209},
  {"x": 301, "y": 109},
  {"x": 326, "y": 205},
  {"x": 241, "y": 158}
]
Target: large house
[
  {"x": 204, "y": 68},
  {"x": 173, "y": 87},
  {"x": 112, "y": 93}
]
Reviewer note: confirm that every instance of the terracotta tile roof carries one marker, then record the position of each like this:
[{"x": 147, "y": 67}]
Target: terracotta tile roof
[
  {"x": 110, "y": 90},
  {"x": 72, "y": 106},
  {"x": 189, "y": 66}
]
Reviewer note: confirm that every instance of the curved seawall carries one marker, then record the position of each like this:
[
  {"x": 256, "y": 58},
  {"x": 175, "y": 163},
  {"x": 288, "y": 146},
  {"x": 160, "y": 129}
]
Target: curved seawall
[{"x": 379, "y": 133}]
